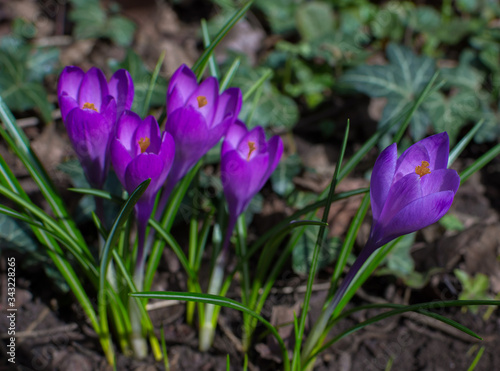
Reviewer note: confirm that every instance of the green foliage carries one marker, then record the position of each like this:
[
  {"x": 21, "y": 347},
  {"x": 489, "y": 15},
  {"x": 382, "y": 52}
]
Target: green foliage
[
  {"x": 22, "y": 70},
  {"x": 473, "y": 287},
  {"x": 303, "y": 252},
  {"x": 400, "y": 82},
  {"x": 451, "y": 223},
  {"x": 282, "y": 177},
  {"x": 93, "y": 21}
]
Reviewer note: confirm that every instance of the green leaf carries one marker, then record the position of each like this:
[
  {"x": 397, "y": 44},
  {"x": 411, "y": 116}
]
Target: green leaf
[
  {"x": 282, "y": 177},
  {"x": 473, "y": 288},
  {"x": 280, "y": 14},
  {"x": 15, "y": 236},
  {"x": 451, "y": 223},
  {"x": 399, "y": 261},
  {"x": 314, "y": 19},
  {"x": 400, "y": 81},
  {"x": 120, "y": 30},
  {"x": 303, "y": 252}
]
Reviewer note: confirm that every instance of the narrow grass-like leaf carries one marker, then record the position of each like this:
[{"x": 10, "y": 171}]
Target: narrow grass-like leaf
[
  {"x": 480, "y": 163},
  {"x": 419, "y": 308},
  {"x": 219, "y": 301},
  {"x": 421, "y": 98},
  {"x": 206, "y": 43},
  {"x": 174, "y": 245},
  {"x": 166, "y": 223},
  {"x": 258, "y": 84},
  {"x": 349, "y": 241},
  {"x": 231, "y": 72},
  {"x": 294, "y": 218},
  {"x": 200, "y": 65},
  {"x": 152, "y": 83},
  {"x": 145, "y": 319},
  {"x": 19, "y": 143},
  {"x": 97, "y": 193},
  {"x": 314, "y": 262},
  {"x": 460, "y": 146},
  {"x": 166, "y": 363},
  {"x": 474, "y": 363},
  {"x": 106, "y": 255}
]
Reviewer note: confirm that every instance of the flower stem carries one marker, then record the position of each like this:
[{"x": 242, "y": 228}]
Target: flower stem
[
  {"x": 319, "y": 327},
  {"x": 207, "y": 328}
]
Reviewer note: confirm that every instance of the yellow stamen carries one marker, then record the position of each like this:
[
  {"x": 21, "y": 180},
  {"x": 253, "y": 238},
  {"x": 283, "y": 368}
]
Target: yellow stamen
[
  {"x": 144, "y": 144},
  {"x": 202, "y": 101},
  {"x": 251, "y": 148},
  {"x": 90, "y": 106},
  {"x": 423, "y": 169}
]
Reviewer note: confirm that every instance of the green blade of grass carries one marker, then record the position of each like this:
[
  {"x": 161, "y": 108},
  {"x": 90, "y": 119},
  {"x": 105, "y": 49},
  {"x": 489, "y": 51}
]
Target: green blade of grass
[
  {"x": 106, "y": 257},
  {"x": 200, "y": 65},
  {"x": 231, "y": 72},
  {"x": 457, "y": 150},
  {"x": 152, "y": 83},
  {"x": 314, "y": 262},
  {"x": 480, "y": 163},
  {"x": 218, "y": 301},
  {"x": 206, "y": 43}
]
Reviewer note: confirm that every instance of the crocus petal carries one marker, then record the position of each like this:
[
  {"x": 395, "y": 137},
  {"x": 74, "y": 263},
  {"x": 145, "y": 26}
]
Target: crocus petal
[
  {"x": 229, "y": 105},
  {"x": 417, "y": 215},
  {"x": 148, "y": 129},
  {"x": 233, "y": 137},
  {"x": 209, "y": 90},
  {"x": 142, "y": 167},
  {"x": 275, "y": 149},
  {"x": 69, "y": 81},
  {"x": 89, "y": 132},
  {"x": 120, "y": 158},
  {"x": 93, "y": 89},
  {"x": 382, "y": 178},
  {"x": 403, "y": 192},
  {"x": 255, "y": 137},
  {"x": 181, "y": 86},
  {"x": 189, "y": 130},
  {"x": 242, "y": 179},
  {"x": 440, "y": 180},
  {"x": 127, "y": 125},
  {"x": 438, "y": 147},
  {"x": 66, "y": 103},
  {"x": 121, "y": 87},
  {"x": 167, "y": 151}
]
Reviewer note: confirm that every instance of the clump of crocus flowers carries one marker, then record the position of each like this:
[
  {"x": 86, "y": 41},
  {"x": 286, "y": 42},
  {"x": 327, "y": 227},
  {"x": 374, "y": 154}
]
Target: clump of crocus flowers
[{"x": 103, "y": 130}]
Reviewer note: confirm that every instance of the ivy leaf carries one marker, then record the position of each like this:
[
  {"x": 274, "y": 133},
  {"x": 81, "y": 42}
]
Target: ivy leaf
[
  {"x": 92, "y": 21},
  {"x": 21, "y": 77},
  {"x": 303, "y": 251},
  {"x": 314, "y": 19},
  {"x": 400, "y": 81},
  {"x": 282, "y": 177}
]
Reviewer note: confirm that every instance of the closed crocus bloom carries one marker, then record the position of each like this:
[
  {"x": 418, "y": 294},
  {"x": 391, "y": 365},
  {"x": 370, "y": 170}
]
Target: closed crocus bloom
[
  {"x": 247, "y": 161},
  {"x": 413, "y": 191},
  {"x": 89, "y": 110},
  {"x": 197, "y": 117}
]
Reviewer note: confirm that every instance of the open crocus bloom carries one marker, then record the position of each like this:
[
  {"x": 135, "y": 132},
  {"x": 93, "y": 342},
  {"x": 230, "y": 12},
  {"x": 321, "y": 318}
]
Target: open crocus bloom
[
  {"x": 413, "y": 191},
  {"x": 139, "y": 151},
  {"x": 198, "y": 117},
  {"x": 89, "y": 110},
  {"x": 247, "y": 161}
]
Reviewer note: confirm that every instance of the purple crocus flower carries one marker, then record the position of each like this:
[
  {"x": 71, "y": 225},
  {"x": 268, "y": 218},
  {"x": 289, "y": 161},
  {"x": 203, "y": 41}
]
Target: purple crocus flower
[
  {"x": 89, "y": 108},
  {"x": 413, "y": 191},
  {"x": 407, "y": 194},
  {"x": 197, "y": 117},
  {"x": 247, "y": 161},
  {"x": 139, "y": 152}
]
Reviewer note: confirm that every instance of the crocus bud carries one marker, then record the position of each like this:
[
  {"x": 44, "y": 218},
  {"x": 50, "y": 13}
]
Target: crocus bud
[
  {"x": 247, "y": 161},
  {"x": 198, "y": 117},
  {"x": 413, "y": 191},
  {"x": 89, "y": 111}
]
